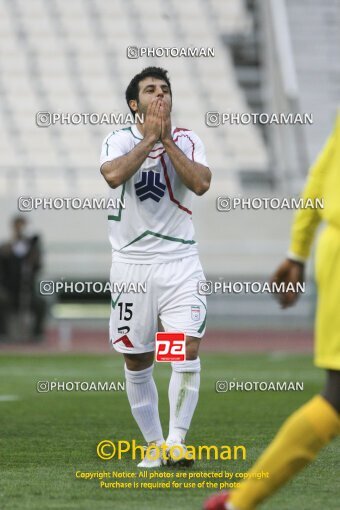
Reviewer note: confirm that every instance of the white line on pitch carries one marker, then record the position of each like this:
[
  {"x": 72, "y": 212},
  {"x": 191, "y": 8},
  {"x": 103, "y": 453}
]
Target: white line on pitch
[{"x": 8, "y": 398}]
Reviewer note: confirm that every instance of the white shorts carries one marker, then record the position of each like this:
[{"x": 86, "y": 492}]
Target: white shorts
[{"x": 171, "y": 296}]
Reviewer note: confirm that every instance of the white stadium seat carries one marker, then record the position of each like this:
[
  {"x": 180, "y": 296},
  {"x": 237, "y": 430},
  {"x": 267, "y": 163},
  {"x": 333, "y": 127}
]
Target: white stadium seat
[{"x": 71, "y": 56}]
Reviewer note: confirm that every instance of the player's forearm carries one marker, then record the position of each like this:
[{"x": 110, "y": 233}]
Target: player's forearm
[
  {"x": 121, "y": 169},
  {"x": 195, "y": 176}
]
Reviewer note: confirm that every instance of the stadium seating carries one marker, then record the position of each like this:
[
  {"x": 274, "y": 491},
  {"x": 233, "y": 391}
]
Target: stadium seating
[
  {"x": 67, "y": 57},
  {"x": 315, "y": 38},
  {"x": 64, "y": 56}
]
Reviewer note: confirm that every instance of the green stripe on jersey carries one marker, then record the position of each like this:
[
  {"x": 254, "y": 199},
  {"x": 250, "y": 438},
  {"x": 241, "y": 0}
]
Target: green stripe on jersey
[
  {"x": 202, "y": 326},
  {"x": 119, "y": 216},
  {"x": 129, "y": 128},
  {"x": 107, "y": 142},
  {"x": 156, "y": 234},
  {"x": 113, "y": 133}
]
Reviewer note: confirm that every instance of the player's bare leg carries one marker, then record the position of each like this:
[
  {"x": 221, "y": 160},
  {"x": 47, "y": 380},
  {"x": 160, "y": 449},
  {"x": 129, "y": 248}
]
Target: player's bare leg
[
  {"x": 183, "y": 398},
  {"x": 143, "y": 398},
  {"x": 332, "y": 389}
]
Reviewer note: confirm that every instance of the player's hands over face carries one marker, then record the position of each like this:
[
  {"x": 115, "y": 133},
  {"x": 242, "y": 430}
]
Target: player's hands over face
[
  {"x": 166, "y": 122},
  {"x": 288, "y": 272},
  {"x": 153, "y": 121}
]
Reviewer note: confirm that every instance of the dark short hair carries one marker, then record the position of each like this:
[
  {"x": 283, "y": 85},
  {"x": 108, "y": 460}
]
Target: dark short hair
[{"x": 133, "y": 88}]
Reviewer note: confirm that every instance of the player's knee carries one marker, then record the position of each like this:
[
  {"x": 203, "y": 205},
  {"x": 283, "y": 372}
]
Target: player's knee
[
  {"x": 332, "y": 389},
  {"x": 193, "y": 365},
  {"x": 137, "y": 362},
  {"x": 191, "y": 348}
]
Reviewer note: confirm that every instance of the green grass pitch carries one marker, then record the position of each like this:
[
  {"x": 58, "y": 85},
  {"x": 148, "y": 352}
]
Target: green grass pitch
[{"x": 46, "y": 437}]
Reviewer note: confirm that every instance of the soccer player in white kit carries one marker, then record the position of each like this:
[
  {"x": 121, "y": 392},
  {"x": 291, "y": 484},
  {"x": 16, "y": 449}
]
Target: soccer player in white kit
[{"x": 156, "y": 169}]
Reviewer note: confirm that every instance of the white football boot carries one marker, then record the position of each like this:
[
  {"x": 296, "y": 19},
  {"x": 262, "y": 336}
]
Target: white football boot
[
  {"x": 178, "y": 455},
  {"x": 154, "y": 457}
]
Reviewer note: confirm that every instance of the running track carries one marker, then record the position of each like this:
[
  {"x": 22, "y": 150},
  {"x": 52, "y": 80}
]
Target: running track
[{"x": 96, "y": 341}]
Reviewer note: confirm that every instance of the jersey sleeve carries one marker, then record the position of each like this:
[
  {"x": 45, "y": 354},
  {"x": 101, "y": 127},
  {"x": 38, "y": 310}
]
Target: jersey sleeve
[
  {"x": 307, "y": 219},
  {"x": 193, "y": 148},
  {"x": 114, "y": 145}
]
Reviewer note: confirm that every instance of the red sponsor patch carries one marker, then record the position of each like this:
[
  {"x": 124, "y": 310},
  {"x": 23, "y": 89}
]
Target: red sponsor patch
[{"x": 170, "y": 346}]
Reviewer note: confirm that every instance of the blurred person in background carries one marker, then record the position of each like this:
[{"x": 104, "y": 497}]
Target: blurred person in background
[{"x": 22, "y": 310}]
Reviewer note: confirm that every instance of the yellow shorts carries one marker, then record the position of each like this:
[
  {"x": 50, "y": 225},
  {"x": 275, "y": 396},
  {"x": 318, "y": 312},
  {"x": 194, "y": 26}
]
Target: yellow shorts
[{"x": 327, "y": 327}]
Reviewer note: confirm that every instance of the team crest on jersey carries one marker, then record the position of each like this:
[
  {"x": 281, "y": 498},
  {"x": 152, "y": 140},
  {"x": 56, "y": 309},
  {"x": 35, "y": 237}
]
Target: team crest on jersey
[
  {"x": 195, "y": 312},
  {"x": 150, "y": 186}
]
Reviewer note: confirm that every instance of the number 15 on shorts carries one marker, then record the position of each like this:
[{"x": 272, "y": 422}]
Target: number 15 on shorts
[{"x": 170, "y": 346}]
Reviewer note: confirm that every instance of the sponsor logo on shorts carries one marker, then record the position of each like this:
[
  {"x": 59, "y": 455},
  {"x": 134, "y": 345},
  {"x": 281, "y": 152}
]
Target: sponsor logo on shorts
[
  {"x": 170, "y": 346},
  {"x": 125, "y": 340}
]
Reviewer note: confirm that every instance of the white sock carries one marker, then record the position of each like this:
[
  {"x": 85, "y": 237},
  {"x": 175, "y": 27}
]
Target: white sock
[
  {"x": 143, "y": 397},
  {"x": 183, "y": 397}
]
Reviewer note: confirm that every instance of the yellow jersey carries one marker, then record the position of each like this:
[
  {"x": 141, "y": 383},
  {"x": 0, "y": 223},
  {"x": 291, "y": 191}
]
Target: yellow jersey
[{"x": 323, "y": 182}]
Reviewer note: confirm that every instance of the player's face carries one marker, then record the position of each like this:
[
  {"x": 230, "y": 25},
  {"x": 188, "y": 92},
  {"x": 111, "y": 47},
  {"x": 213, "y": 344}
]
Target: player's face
[
  {"x": 19, "y": 227},
  {"x": 151, "y": 88}
]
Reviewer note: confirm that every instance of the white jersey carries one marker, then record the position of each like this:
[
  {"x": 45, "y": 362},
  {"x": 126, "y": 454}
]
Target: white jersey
[{"x": 155, "y": 225}]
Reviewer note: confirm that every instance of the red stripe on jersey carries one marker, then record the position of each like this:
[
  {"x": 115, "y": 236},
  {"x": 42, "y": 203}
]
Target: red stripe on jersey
[
  {"x": 158, "y": 149},
  {"x": 175, "y": 131},
  {"x": 175, "y": 140},
  {"x": 192, "y": 143},
  {"x": 172, "y": 198},
  {"x": 158, "y": 155},
  {"x": 180, "y": 129}
]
